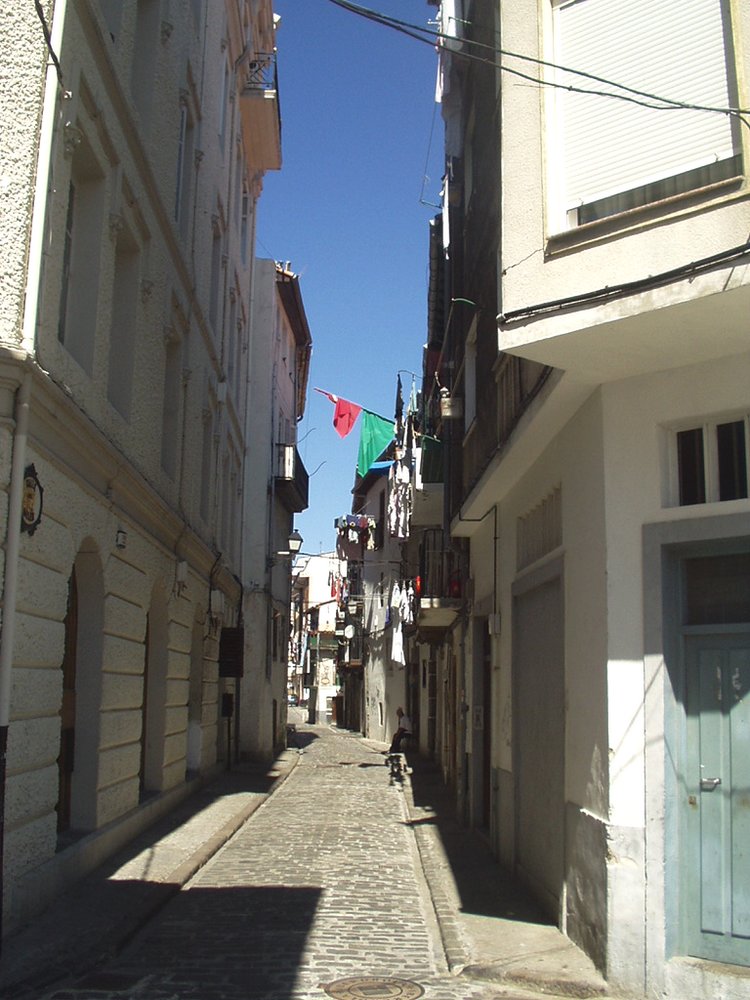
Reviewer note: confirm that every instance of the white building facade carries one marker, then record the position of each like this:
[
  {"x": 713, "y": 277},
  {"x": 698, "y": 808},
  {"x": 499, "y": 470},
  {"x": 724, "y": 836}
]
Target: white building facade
[
  {"x": 275, "y": 488},
  {"x": 321, "y": 581},
  {"x": 137, "y": 143}
]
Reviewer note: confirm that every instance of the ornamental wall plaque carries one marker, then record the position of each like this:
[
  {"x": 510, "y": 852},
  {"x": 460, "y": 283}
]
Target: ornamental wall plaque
[{"x": 32, "y": 501}]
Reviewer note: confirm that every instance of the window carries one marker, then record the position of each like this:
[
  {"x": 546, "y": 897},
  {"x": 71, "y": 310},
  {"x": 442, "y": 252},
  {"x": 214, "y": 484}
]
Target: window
[
  {"x": 470, "y": 376},
  {"x": 185, "y": 153},
  {"x": 692, "y": 466},
  {"x": 81, "y": 258},
  {"x": 217, "y": 250},
  {"x": 717, "y": 589},
  {"x": 170, "y": 412},
  {"x": 206, "y": 463},
  {"x": 145, "y": 52},
  {"x": 618, "y": 154},
  {"x": 67, "y": 255},
  {"x": 223, "y": 109},
  {"x": 379, "y": 534},
  {"x": 244, "y": 222},
  {"x": 732, "y": 458},
  {"x": 122, "y": 340},
  {"x": 226, "y": 502},
  {"x": 712, "y": 462}
]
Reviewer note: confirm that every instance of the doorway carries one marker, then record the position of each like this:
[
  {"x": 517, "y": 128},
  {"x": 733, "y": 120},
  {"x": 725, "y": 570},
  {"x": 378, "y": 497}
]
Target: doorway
[
  {"x": 715, "y": 863},
  {"x": 539, "y": 739},
  {"x": 80, "y": 706}
]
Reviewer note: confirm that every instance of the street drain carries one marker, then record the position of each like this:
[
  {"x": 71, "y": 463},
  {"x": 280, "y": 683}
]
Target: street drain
[{"x": 373, "y": 988}]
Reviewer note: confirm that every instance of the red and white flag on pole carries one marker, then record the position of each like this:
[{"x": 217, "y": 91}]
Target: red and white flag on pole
[{"x": 345, "y": 415}]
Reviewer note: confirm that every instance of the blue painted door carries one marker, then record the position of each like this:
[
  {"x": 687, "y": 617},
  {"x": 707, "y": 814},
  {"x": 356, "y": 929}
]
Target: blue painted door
[{"x": 717, "y": 792}]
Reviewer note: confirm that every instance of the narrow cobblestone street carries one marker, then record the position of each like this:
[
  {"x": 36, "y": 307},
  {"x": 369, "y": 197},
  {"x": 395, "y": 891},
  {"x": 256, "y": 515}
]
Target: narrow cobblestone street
[{"x": 323, "y": 883}]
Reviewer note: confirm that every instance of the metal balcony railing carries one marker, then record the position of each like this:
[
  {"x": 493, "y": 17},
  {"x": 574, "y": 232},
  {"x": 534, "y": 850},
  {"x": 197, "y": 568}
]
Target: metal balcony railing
[
  {"x": 438, "y": 567},
  {"x": 261, "y": 72}
]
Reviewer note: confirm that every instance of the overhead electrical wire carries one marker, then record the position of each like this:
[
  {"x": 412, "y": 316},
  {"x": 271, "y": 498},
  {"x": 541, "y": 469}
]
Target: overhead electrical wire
[
  {"x": 630, "y": 94},
  {"x": 48, "y": 42}
]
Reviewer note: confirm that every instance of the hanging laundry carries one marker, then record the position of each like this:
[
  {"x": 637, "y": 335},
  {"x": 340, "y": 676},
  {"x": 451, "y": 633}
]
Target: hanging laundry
[
  {"x": 408, "y": 604},
  {"x": 399, "y": 500},
  {"x": 354, "y": 533},
  {"x": 345, "y": 415},
  {"x": 399, "y": 414},
  {"x": 397, "y": 638},
  {"x": 375, "y": 436}
]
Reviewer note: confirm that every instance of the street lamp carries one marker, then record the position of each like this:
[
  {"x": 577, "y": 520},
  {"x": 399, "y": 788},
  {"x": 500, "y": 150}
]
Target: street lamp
[{"x": 294, "y": 543}]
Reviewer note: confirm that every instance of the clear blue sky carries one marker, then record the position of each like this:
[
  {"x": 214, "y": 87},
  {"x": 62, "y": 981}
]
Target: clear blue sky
[{"x": 362, "y": 145}]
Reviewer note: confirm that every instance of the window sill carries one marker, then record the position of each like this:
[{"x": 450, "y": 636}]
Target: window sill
[{"x": 733, "y": 188}]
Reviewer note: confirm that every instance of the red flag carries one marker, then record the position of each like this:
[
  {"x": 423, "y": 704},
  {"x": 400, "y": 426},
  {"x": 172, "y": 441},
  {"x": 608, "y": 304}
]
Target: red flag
[{"x": 345, "y": 415}]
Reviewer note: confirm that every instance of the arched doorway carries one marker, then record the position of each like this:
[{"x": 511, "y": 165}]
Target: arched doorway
[
  {"x": 80, "y": 721},
  {"x": 154, "y": 704},
  {"x": 195, "y": 701}
]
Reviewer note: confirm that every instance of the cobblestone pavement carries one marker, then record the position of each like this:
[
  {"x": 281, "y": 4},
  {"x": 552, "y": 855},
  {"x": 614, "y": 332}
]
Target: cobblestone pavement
[{"x": 323, "y": 883}]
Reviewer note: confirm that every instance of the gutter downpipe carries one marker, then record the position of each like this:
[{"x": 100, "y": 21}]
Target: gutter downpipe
[{"x": 23, "y": 396}]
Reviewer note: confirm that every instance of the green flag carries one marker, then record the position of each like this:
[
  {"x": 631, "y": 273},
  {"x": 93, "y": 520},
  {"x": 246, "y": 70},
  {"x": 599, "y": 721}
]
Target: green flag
[{"x": 376, "y": 435}]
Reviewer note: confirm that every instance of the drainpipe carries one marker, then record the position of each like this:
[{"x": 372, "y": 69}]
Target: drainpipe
[{"x": 18, "y": 463}]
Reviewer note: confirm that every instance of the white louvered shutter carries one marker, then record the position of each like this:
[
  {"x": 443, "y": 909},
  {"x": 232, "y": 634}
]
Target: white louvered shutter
[{"x": 670, "y": 48}]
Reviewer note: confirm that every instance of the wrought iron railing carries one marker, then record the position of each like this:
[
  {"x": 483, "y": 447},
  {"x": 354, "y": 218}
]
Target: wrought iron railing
[
  {"x": 261, "y": 72},
  {"x": 439, "y": 575}
]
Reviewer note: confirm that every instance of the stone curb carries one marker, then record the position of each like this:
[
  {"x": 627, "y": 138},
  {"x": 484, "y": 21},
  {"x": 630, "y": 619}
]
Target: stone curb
[{"x": 443, "y": 901}]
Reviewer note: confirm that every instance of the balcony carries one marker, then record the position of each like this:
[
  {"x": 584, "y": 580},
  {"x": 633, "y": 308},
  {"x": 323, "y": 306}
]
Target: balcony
[
  {"x": 261, "y": 114},
  {"x": 427, "y": 506},
  {"x": 439, "y": 586},
  {"x": 292, "y": 481},
  {"x": 676, "y": 319}
]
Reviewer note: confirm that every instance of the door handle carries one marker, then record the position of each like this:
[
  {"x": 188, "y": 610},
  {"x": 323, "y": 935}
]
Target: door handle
[{"x": 708, "y": 784}]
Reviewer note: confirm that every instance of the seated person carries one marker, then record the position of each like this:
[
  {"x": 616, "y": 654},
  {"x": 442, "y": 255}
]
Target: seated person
[{"x": 403, "y": 729}]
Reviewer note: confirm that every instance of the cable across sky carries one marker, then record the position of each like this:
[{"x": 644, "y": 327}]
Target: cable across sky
[{"x": 630, "y": 95}]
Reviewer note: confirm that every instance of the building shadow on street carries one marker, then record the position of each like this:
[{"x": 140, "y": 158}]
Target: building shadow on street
[
  {"x": 485, "y": 887},
  {"x": 246, "y": 942}
]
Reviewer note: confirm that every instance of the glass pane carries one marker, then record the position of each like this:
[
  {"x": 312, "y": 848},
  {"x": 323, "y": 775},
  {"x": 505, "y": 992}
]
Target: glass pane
[
  {"x": 718, "y": 590},
  {"x": 730, "y": 441},
  {"x": 690, "y": 465}
]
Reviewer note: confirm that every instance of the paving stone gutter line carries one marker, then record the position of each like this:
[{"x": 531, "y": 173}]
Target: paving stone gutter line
[
  {"x": 436, "y": 871},
  {"x": 84, "y": 926}
]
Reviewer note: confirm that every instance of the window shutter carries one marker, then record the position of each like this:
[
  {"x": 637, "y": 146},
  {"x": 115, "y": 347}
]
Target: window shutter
[{"x": 670, "y": 48}]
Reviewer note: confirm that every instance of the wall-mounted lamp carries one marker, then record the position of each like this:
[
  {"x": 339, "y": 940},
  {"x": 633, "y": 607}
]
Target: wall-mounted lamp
[
  {"x": 121, "y": 538},
  {"x": 294, "y": 543}
]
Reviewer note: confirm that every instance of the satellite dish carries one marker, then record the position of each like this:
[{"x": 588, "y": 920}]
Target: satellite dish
[{"x": 349, "y": 631}]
